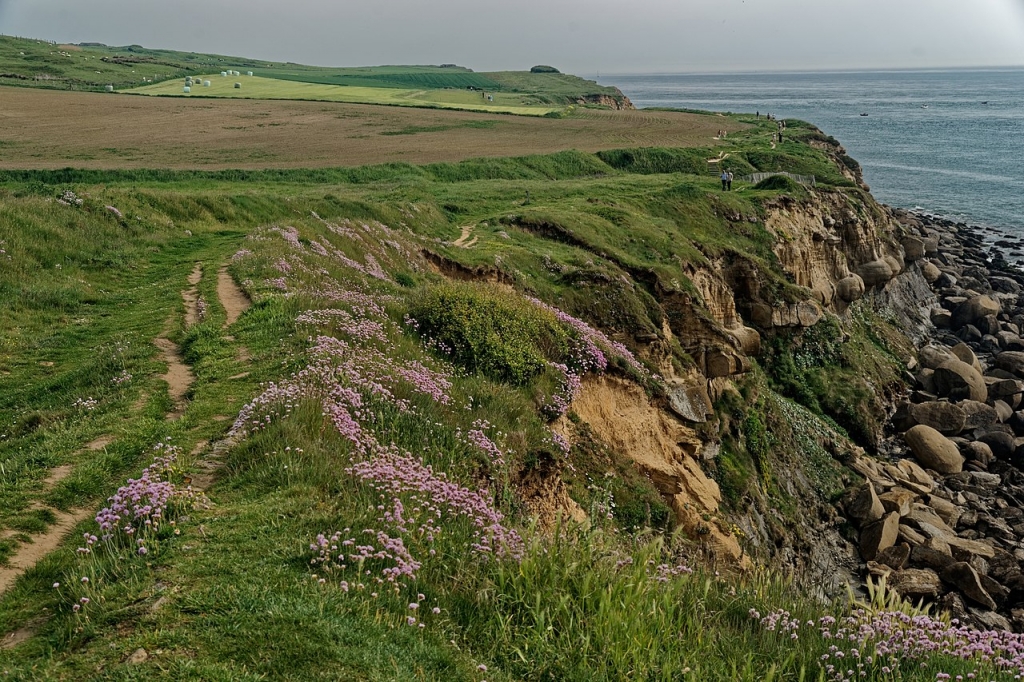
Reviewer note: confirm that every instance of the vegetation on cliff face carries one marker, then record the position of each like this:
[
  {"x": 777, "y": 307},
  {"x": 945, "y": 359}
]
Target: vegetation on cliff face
[{"x": 381, "y": 436}]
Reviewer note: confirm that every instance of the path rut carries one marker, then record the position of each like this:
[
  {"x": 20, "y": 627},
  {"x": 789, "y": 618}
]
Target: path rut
[
  {"x": 233, "y": 299},
  {"x": 27, "y": 556}
]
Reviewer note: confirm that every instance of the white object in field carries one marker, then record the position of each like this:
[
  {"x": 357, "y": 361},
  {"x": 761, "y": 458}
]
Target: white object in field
[
  {"x": 249, "y": 73},
  {"x": 223, "y": 73},
  {"x": 188, "y": 89},
  {"x": 206, "y": 84},
  {"x": 237, "y": 85},
  {"x": 109, "y": 88}
]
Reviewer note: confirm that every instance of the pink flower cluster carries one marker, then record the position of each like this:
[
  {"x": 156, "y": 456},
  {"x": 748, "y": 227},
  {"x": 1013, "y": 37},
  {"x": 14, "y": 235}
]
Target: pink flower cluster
[
  {"x": 395, "y": 472},
  {"x": 334, "y": 554},
  {"x": 881, "y": 642},
  {"x": 477, "y": 437},
  {"x": 568, "y": 390},
  {"x": 560, "y": 442},
  {"x": 137, "y": 509},
  {"x": 589, "y": 354},
  {"x": 595, "y": 343},
  {"x": 338, "y": 377},
  {"x": 290, "y": 235},
  {"x": 665, "y": 572},
  {"x": 343, "y": 321},
  {"x": 240, "y": 254}
]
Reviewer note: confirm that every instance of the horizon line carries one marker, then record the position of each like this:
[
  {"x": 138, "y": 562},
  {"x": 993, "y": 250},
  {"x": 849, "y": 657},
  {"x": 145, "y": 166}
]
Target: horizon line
[{"x": 756, "y": 72}]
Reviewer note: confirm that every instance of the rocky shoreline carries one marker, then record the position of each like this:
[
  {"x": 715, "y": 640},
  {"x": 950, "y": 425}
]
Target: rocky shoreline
[{"x": 941, "y": 514}]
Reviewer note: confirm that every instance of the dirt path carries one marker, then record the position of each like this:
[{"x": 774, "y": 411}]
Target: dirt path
[
  {"x": 233, "y": 299},
  {"x": 179, "y": 376},
  {"x": 466, "y": 231},
  {"x": 721, "y": 157},
  {"x": 179, "y": 379},
  {"x": 191, "y": 296},
  {"x": 27, "y": 555},
  {"x": 461, "y": 241}
]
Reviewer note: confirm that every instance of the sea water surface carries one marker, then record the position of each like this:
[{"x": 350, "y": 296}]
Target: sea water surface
[{"x": 948, "y": 142}]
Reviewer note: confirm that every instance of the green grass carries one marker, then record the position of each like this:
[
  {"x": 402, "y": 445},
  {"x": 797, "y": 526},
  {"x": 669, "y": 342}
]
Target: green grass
[
  {"x": 234, "y": 597},
  {"x": 259, "y": 87},
  {"x": 37, "y": 63}
]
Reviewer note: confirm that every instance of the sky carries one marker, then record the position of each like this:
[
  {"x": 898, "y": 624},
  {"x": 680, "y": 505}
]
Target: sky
[{"x": 577, "y": 36}]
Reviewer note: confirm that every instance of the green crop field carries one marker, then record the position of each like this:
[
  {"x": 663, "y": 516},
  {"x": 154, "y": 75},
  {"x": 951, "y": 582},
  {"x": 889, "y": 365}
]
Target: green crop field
[
  {"x": 256, "y": 87},
  {"x": 420, "y": 77}
]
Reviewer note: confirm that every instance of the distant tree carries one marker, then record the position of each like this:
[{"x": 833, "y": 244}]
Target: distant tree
[{"x": 540, "y": 68}]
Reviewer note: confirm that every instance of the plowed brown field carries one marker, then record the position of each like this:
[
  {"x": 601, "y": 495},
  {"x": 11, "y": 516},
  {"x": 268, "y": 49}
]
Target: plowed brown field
[{"x": 47, "y": 129}]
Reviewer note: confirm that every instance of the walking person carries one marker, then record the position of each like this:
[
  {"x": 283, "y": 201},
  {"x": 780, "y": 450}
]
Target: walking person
[
  {"x": 725, "y": 180},
  {"x": 728, "y": 183}
]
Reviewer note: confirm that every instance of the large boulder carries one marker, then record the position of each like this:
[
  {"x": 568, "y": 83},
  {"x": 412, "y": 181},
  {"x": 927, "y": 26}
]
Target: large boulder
[
  {"x": 964, "y": 578},
  {"x": 894, "y": 557},
  {"x": 1007, "y": 390},
  {"x": 865, "y": 507},
  {"x": 964, "y": 353},
  {"x": 1011, "y": 361},
  {"x": 897, "y": 500},
  {"x": 946, "y": 418},
  {"x": 1000, "y": 443},
  {"x": 959, "y": 381},
  {"x": 930, "y": 272},
  {"x": 933, "y": 450},
  {"x": 973, "y": 309},
  {"x": 913, "y": 248},
  {"x": 916, "y": 583},
  {"x": 931, "y": 356},
  {"x": 879, "y": 535},
  {"x": 977, "y": 415},
  {"x": 875, "y": 272},
  {"x": 850, "y": 288}
]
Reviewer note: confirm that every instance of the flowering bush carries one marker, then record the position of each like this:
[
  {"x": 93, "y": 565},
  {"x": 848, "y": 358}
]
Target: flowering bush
[
  {"x": 892, "y": 645},
  {"x": 138, "y": 509}
]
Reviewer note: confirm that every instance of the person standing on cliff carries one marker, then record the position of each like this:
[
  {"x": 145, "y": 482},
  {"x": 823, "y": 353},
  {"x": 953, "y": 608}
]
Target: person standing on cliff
[
  {"x": 728, "y": 182},
  {"x": 725, "y": 180}
]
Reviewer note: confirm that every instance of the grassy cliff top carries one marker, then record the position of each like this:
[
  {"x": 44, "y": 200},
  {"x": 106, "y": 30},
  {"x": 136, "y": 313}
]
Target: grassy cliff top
[{"x": 89, "y": 66}]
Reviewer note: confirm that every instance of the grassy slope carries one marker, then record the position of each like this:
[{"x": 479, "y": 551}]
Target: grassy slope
[
  {"x": 233, "y": 597},
  {"x": 35, "y": 63}
]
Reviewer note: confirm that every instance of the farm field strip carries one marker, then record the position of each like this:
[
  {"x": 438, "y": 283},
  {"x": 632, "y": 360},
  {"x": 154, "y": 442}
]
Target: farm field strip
[
  {"x": 112, "y": 131},
  {"x": 256, "y": 87}
]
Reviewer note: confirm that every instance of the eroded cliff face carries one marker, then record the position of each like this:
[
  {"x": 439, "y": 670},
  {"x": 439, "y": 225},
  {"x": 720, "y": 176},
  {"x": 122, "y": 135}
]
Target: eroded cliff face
[
  {"x": 835, "y": 248},
  {"x": 665, "y": 450},
  {"x": 618, "y": 102}
]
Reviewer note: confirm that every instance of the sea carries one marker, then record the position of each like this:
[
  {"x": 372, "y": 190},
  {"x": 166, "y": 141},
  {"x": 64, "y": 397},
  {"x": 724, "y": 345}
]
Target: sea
[{"x": 944, "y": 142}]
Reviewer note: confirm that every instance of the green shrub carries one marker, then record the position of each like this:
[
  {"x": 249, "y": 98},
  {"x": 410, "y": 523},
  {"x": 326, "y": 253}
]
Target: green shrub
[
  {"x": 542, "y": 68},
  {"x": 779, "y": 183},
  {"x": 486, "y": 330}
]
